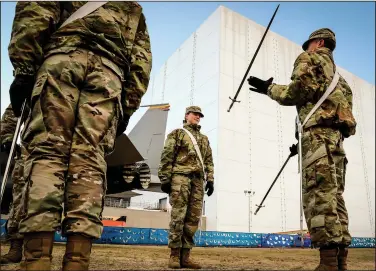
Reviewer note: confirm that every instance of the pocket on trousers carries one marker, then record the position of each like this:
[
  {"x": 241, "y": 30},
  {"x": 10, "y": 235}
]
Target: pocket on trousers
[
  {"x": 24, "y": 208},
  {"x": 116, "y": 70},
  {"x": 309, "y": 178},
  {"x": 109, "y": 138},
  {"x": 318, "y": 221},
  {"x": 175, "y": 196},
  {"x": 37, "y": 92}
]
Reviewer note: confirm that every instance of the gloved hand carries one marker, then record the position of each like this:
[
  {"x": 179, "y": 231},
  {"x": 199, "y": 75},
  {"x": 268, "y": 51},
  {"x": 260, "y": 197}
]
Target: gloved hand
[
  {"x": 19, "y": 91},
  {"x": 7, "y": 145},
  {"x": 261, "y": 86},
  {"x": 122, "y": 125},
  {"x": 293, "y": 150},
  {"x": 209, "y": 187},
  {"x": 166, "y": 187}
]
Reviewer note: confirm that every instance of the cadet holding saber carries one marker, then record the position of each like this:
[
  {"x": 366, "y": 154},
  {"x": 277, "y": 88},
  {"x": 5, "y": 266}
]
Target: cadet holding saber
[{"x": 323, "y": 159}]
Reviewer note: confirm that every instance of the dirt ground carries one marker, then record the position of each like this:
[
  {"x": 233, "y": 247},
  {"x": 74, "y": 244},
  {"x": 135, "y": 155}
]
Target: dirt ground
[{"x": 121, "y": 257}]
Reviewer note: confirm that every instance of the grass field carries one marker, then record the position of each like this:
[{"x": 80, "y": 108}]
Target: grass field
[{"x": 120, "y": 257}]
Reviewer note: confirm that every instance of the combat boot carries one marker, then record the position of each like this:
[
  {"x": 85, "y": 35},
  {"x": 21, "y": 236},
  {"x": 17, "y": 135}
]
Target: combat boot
[
  {"x": 38, "y": 250},
  {"x": 342, "y": 258},
  {"x": 186, "y": 260},
  {"x": 328, "y": 259},
  {"x": 77, "y": 252},
  {"x": 174, "y": 261},
  {"x": 14, "y": 254}
]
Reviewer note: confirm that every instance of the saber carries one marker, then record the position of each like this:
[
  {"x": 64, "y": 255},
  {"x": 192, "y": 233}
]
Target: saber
[
  {"x": 253, "y": 59},
  {"x": 200, "y": 223},
  {"x": 300, "y": 128},
  {"x": 12, "y": 149},
  {"x": 270, "y": 188}
]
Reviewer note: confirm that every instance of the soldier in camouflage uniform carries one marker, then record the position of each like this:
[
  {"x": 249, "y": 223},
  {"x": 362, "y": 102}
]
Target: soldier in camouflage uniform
[
  {"x": 119, "y": 178},
  {"x": 182, "y": 177},
  {"x": 82, "y": 82},
  {"x": 8, "y": 127},
  {"x": 324, "y": 158}
]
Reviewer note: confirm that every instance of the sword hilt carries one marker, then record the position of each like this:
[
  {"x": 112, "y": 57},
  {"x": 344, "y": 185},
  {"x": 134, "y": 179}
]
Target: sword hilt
[
  {"x": 258, "y": 208},
  {"x": 233, "y": 101}
]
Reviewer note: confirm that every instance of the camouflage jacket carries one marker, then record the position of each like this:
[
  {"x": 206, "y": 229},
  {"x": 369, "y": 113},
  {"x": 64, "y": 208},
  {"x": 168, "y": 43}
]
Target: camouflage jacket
[
  {"x": 8, "y": 125},
  {"x": 311, "y": 77},
  {"x": 179, "y": 155},
  {"x": 117, "y": 31}
]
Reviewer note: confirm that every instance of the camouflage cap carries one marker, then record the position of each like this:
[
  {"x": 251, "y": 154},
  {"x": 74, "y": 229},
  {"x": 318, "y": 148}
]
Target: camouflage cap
[
  {"x": 194, "y": 109},
  {"x": 322, "y": 33}
]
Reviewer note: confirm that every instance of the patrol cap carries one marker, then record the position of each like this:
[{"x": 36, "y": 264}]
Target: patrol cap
[
  {"x": 322, "y": 33},
  {"x": 194, "y": 109}
]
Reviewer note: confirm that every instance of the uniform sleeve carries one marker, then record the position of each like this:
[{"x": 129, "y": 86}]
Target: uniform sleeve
[
  {"x": 167, "y": 158},
  {"x": 8, "y": 125},
  {"x": 137, "y": 80},
  {"x": 209, "y": 165},
  {"x": 33, "y": 24},
  {"x": 305, "y": 82}
]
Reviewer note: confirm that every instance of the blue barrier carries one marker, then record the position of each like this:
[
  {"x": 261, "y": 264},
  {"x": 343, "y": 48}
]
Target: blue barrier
[{"x": 145, "y": 236}]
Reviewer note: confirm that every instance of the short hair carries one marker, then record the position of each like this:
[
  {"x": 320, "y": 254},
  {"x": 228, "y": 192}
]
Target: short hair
[{"x": 328, "y": 43}]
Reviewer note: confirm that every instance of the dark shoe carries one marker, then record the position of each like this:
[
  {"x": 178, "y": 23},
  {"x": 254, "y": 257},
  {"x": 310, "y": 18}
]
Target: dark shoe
[
  {"x": 328, "y": 259},
  {"x": 14, "y": 254},
  {"x": 186, "y": 261},
  {"x": 77, "y": 253},
  {"x": 38, "y": 250}
]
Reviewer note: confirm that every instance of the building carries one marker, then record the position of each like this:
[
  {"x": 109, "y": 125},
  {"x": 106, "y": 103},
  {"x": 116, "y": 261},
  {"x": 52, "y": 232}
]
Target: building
[{"x": 251, "y": 142}]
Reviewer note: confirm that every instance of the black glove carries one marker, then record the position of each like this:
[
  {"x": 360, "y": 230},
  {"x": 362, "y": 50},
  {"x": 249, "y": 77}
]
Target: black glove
[
  {"x": 122, "y": 125},
  {"x": 210, "y": 188},
  {"x": 293, "y": 150},
  {"x": 19, "y": 91},
  {"x": 5, "y": 146},
  {"x": 261, "y": 86},
  {"x": 166, "y": 187}
]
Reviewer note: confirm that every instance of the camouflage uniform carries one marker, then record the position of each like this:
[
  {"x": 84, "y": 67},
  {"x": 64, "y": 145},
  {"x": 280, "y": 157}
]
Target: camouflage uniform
[
  {"x": 89, "y": 74},
  {"x": 324, "y": 159},
  {"x": 181, "y": 167},
  {"x": 8, "y": 127}
]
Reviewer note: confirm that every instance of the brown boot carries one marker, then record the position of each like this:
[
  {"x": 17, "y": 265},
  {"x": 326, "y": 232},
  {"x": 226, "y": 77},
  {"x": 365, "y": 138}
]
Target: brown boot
[
  {"x": 38, "y": 250},
  {"x": 186, "y": 261},
  {"x": 14, "y": 254},
  {"x": 77, "y": 252},
  {"x": 342, "y": 258},
  {"x": 174, "y": 261},
  {"x": 328, "y": 260}
]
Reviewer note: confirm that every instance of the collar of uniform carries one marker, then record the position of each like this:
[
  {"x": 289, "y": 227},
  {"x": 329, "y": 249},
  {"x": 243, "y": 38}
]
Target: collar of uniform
[
  {"x": 194, "y": 127},
  {"x": 325, "y": 51}
]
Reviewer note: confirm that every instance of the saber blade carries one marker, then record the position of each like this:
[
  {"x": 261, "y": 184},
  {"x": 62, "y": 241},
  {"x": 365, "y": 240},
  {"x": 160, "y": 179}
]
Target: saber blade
[{"x": 253, "y": 59}]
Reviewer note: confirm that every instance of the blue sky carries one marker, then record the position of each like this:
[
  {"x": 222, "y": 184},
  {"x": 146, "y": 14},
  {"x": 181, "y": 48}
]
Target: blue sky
[{"x": 171, "y": 23}]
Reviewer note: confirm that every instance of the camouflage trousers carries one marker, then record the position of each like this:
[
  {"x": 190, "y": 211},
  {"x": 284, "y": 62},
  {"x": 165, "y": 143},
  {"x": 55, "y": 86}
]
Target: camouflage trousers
[
  {"x": 324, "y": 169},
  {"x": 186, "y": 200},
  {"x": 17, "y": 190},
  {"x": 75, "y": 108}
]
